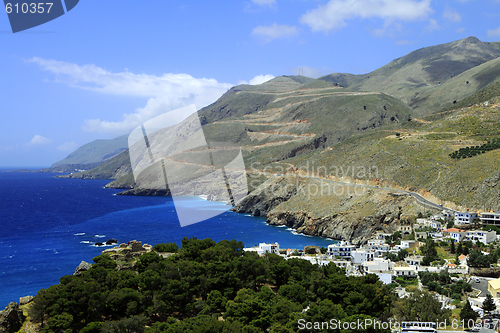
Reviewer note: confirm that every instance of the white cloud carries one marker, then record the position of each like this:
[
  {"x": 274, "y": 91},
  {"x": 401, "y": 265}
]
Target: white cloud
[
  {"x": 259, "y": 79},
  {"x": 335, "y": 13},
  {"x": 165, "y": 93},
  {"x": 68, "y": 146},
  {"x": 39, "y": 140},
  {"x": 268, "y": 33},
  {"x": 459, "y": 30},
  {"x": 451, "y": 15},
  {"x": 433, "y": 25},
  {"x": 264, "y": 2},
  {"x": 494, "y": 32}
]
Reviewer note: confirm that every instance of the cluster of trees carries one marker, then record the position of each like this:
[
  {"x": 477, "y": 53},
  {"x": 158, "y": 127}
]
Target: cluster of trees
[
  {"x": 209, "y": 287},
  {"x": 401, "y": 255},
  {"x": 429, "y": 252},
  {"x": 441, "y": 283},
  {"x": 476, "y": 150},
  {"x": 480, "y": 260}
]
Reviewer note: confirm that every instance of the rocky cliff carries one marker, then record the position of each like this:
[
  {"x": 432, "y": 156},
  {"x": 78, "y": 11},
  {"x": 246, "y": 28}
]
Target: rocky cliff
[{"x": 328, "y": 209}]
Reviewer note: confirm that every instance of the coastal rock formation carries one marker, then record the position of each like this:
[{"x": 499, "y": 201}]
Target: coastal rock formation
[
  {"x": 11, "y": 319},
  {"x": 128, "y": 251},
  {"x": 329, "y": 209},
  {"x": 146, "y": 192},
  {"x": 25, "y": 300},
  {"x": 84, "y": 266},
  {"x": 111, "y": 241}
]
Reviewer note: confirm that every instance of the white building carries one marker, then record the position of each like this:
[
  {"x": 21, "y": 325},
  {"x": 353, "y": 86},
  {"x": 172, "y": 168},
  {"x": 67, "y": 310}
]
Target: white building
[
  {"x": 263, "y": 248},
  {"x": 405, "y": 271},
  {"x": 360, "y": 256},
  {"x": 414, "y": 260},
  {"x": 374, "y": 242},
  {"x": 378, "y": 265},
  {"x": 485, "y": 237},
  {"x": 456, "y": 234},
  {"x": 490, "y": 218},
  {"x": 465, "y": 217},
  {"x": 342, "y": 249}
]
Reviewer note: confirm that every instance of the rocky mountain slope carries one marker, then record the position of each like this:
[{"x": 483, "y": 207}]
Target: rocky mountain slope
[{"x": 392, "y": 130}]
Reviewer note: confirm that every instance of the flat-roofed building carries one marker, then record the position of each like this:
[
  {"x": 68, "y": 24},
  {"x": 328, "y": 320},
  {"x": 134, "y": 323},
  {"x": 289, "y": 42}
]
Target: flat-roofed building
[
  {"x": 490, "y": 218},
  {"x": 465, "y": 217},
  {"x": 494, "y": 288}
]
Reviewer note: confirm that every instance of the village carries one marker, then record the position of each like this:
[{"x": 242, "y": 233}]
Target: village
[{"x": 454, "y": 255}]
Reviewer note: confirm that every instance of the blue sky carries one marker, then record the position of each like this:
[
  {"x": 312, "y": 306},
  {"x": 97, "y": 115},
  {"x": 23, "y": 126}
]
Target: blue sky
[{"x": 105, "y": 67}]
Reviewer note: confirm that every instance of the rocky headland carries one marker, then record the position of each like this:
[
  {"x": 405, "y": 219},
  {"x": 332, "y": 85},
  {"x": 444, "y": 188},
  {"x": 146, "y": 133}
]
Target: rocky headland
[{"x": 328, "y": 209}]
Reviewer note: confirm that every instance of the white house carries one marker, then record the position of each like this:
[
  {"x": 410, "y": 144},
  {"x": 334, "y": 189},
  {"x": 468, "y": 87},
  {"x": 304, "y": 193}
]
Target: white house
[
  {"x": 342, "y": 249},
  {"x": 405, "y": 271},
  {"x": 457, "y": 234},
  {"x": 264, "y": 247},
  {"x": 406, "y": 244},
  {"x": 414, "y": 260},
  {"x": 436, "y": 225},
  {"x": 378, "y": 265},
  {"x": 465, "y": 217},
  {"x": 490, "y": 218},
  {"x": 360, "y": 256},
  {"x": 485, "y": 237},
  {"x": 374, "y": 242}
]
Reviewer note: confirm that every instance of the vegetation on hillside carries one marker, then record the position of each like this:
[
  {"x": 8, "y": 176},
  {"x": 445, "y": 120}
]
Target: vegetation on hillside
[{"x": 214, "y": 287}]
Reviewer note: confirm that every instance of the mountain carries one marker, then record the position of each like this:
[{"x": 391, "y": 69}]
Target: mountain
[
  {"x": 422, "y": 79},
  {"x": 390, "y": 131},
  {"x": 92, "y": 154}
]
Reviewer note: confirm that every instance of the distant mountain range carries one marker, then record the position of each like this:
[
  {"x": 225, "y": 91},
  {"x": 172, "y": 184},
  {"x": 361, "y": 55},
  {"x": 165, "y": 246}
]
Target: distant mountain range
[{"x": 405, "y": 118}]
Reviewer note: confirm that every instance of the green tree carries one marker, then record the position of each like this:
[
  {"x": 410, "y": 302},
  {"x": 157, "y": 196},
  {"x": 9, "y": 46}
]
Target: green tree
[
  {"x": 419, "y": 306},
  {"x": 452, "y": 247},
  {"x": 468, "y": 315},
  {"x": 489, "y": 304}
]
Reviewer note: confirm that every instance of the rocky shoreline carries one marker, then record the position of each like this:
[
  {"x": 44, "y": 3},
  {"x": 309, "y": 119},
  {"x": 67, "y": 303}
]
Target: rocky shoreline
[{"x": 345, "y": 215}]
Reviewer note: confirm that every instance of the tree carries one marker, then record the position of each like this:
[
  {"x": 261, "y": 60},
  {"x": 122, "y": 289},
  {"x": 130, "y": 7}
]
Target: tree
[
  {"x": 457, "y": 261},
  {"x": 450, "y": 223},
  {"x": 429, "y": 251},
  {"x": 468, "y": 315},
  {"x": 452, "y": 247},
  {"x": 489, "y": 304},
  {"x": 419, "y": 306},
  {"x": 402, "y": 254}
]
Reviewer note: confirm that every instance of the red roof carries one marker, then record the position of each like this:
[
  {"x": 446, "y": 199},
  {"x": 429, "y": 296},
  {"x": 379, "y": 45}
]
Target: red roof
[{"x": 454, "y": 230}]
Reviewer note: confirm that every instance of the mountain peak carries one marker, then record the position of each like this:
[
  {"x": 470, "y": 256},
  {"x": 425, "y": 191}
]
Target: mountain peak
[{"x": 471, "y": 40}]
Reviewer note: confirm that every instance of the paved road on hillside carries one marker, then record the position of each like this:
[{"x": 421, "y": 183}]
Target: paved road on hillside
[{"x": 421, "y": 200}]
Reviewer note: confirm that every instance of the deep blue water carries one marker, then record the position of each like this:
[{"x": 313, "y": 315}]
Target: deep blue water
[{"x": 49, "y": 225}]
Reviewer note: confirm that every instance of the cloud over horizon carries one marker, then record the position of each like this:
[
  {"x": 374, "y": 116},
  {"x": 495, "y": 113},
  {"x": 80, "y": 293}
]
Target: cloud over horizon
[
  {"x": 165, "y": 93},
  {"x": 334, "y": 14},
  {"x": 39, "y": 140},
  {"x": 274, "y": 31}
]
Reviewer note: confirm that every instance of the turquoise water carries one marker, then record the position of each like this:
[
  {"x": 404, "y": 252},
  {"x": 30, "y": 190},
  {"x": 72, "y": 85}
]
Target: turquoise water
[{"x": 49, "y": 225}]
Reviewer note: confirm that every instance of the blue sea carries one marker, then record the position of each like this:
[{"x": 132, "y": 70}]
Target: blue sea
[{"x": 49, "y": 225}]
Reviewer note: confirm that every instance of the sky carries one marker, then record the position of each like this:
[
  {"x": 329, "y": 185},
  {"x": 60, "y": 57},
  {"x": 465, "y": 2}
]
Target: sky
[{"x": 105, "y": 67}]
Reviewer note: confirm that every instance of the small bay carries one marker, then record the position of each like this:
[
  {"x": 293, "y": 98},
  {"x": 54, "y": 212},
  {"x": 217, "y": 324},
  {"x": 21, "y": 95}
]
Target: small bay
[{"x": 49, "y": 225}]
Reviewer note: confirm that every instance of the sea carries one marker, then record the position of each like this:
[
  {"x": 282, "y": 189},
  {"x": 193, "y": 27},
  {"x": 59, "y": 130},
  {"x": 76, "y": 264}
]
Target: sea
[{"x": 49, "y": 225}]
